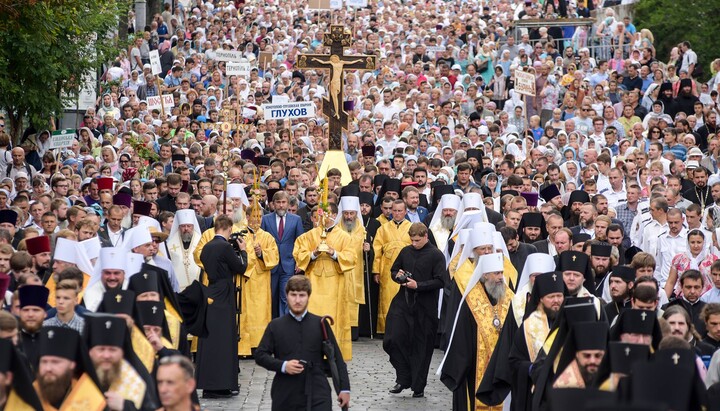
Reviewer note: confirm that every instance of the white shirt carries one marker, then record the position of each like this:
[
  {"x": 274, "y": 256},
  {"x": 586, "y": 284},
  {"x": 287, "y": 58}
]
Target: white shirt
[
  {"x": 387, "y": 146},
  {"x": 114, "y": 236},
  {"x": 688, "y": 58},
  {"x": 650, "y": 236},
  {"x": 277, "y": 223},
  {"x": 712, "y": 296},
  {"x": 668, "y": 248},
  {"x": 615, "y": 198}
]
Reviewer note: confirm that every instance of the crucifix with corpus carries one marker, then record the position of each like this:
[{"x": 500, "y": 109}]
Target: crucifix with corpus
[{"x": 333, "y": 104}]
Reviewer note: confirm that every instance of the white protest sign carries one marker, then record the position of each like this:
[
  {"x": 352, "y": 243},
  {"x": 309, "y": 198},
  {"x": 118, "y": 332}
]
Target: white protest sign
[
  {"x": 228, "y": 55},
  {"x": 62, "y": 138},
  {"x": 356, "y": 3},
  {"x": 154, "y": 102},
  {"x": 525, "y": 83},
  {"x": 233, "y": 68},
  {"x": 337, "y": 4},
  {"x": 155, "y": 62},
  {"x": 435, "y": 49},
  {"x": 279, "y": 99},
  {"x": 289, "y": 110}
]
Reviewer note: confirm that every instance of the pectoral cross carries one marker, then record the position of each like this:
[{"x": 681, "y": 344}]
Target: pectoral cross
[
  {"x": 154, "y": 309},
  {"x": 643, "y": 315},
  {"x": 337, "y": 39},
  {"x": 675, "y": 357},
  {"x": 574, "y": 258},
  {"x": 118, "y": 298},
  {"x": 627, "y": 351}
]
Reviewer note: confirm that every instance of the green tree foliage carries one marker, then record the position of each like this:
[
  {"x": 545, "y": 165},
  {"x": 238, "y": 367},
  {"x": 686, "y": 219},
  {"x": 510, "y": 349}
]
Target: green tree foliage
[
  {"x": 673, "y": 22},
  {"x": 45, "y": 47}
]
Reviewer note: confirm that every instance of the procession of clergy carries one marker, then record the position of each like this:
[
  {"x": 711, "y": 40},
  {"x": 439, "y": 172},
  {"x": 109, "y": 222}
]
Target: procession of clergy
[{"x": 519, "y": 328}]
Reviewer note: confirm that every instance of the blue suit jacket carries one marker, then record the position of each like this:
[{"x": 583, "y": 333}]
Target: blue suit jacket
[
  {"x": 422, "y": 213},
  {"x": 293, "y": 229}
]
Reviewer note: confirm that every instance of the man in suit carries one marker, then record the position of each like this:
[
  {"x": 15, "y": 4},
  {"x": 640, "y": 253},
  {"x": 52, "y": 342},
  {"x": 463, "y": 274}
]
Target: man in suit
[
  {"x": 285, "y": 228},
  {"x": 553, "y": 224},
  {"x": 415, "y": 212},
  {"x": 174, "y": 185},
  {"x": 112, "y": 233}
]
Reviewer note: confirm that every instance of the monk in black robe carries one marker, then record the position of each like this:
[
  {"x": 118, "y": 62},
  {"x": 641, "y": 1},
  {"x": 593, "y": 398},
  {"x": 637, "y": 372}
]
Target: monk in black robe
[{"x": 367, "y": 320}]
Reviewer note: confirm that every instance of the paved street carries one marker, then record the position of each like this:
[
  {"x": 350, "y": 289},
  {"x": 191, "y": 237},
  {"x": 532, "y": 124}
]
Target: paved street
[{"x": 370, "y": 378}]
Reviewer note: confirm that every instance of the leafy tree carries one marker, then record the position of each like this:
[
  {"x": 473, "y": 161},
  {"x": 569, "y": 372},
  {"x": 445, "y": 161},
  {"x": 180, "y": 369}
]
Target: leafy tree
[
  {"x": 45, "y": 48},
  {"x": 673, "y": 22}
]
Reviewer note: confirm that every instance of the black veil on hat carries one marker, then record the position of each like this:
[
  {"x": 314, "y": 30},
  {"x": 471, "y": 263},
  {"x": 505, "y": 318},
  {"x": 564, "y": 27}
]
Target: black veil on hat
[
  {"x": 636, "y": 321},
  {"x": 22, "y": 379}
]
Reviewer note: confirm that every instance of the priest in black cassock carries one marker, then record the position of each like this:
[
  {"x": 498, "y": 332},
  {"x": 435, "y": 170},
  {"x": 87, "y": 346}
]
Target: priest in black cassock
[
  {"x": 217, "y": 365},
  {"x": 412, "y": 320},
  {"x": 367, "y": 320},
  {"x": 292, "y": 347},
  {"x": 516, "y": 356}
]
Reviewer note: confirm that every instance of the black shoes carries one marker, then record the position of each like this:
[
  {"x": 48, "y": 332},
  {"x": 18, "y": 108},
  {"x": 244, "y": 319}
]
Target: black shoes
[
  {"x": 419, "y": 394},
  {"x": 217, "y": 394},
  {"x": 397, "y": 389}
]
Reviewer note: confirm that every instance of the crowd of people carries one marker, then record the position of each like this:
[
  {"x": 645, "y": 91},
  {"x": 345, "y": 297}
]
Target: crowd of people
[{"x": 560, "y": 249}]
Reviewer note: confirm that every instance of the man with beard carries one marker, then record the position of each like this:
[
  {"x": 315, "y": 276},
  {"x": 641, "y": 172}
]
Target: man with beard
[
  {"x": 586, "y": 225},
  {"x": 620, "y": 289},
  {"x": 327, "y": 269},
  {"x": 700, "y": 194},
  {"x": 681, "y": 326},
  {"x": 39, "y": 248},
  {"x": 443, "y": 220},
  {"x": 531, "y": 227},
  {"x": 184, "y": 237},
  {"x": 518, "y": 251},
  {"x": 124, "y": 381},
  {"x": 349, "y": 214},
  {"x": 581, "y": 355},
  {"x": 686, "y": 99},
  {"x": 479, "y": 320},
  {"x": 547, "y": 298},
  {"x": 285, "y": 228},
  {"x": 65, "y": 376},
  {"x": 367, "y": 321},
  {"x": 709, "y": 127},
  {"x": 412, "y": 319},
  {"x": 33, "y": 300},
  {"x": 109, "y": 275},
  {"x": 390, "y": 239},
  {"x": 16, "y": 389},
  {"x": 600, "y": 263},
  {"x": 571, "y": 212}
]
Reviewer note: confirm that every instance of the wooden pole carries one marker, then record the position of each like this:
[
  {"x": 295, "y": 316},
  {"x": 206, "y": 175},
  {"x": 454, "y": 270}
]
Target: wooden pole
[{"x": 162, "y": 102}]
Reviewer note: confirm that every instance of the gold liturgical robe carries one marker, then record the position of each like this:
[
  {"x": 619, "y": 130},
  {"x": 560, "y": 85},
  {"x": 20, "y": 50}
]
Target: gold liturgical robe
[
  {"x": 327, "y": 276},
  {"x": 50, "y": 285},
  {"x": 355, "y": 284},
  {"x": 256, "y": 309},
  {"x": 390, "y": 239},
  {"x": 83, "y": 395}
]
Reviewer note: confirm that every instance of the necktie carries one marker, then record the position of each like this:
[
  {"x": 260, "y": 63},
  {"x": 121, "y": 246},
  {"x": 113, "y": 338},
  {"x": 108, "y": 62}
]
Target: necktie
[{"x": 281, "y": 227}]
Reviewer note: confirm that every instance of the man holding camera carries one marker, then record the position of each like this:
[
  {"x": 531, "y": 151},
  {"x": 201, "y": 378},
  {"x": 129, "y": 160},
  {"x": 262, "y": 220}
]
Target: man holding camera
[
  {"x": 412, "y": 320},
  {"x": 217, "y": 353}
]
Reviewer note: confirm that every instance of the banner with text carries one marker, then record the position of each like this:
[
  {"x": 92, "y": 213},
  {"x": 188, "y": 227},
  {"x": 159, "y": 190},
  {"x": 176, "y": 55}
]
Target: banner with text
[
  {"x": 289, "y": 110},
  {"x": 233, "y": 68},
  {"x": 62, "y": 138},
  {"x": 155, "y": 62},
  {"x": 228, "y": 55},
  {"x": 525, "y": 83},
  {"x": 154, "y": 102}
]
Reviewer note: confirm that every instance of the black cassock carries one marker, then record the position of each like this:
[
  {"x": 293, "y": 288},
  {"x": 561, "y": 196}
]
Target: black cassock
[
  {"x": 217, "y": 365},
  {"x": 412, "y": 320},
  {"x": 367, "y": 320},
  {"x": 287, "y": 339}
]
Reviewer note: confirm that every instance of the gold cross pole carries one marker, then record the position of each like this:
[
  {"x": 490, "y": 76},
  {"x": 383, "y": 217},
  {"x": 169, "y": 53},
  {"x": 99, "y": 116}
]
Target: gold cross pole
[{"x": 337, "y": 39}]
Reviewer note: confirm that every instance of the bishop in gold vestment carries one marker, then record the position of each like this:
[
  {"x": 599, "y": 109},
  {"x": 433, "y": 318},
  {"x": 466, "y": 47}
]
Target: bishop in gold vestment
[
  {"x": 256, "y": 303},
  {"x": 327, "y": 271},
  {"x": 351, "y": 222},
  {"x": 391, "y": 238}
]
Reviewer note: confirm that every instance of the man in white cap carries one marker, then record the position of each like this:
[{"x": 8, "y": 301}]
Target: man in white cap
[
  {"x": 443, "y": 219},
  {"x": 145, "y": 239},
  {"x": 352, "y": 223},
  {"x": 109, "y": 274},
  {"x": 485, "y": 304},
  {"x": 184, "y": 237}
]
